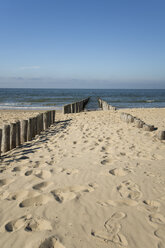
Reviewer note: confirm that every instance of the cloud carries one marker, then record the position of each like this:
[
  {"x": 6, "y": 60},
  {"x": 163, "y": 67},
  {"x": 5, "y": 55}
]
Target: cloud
[{"x": 29, "y": 67}]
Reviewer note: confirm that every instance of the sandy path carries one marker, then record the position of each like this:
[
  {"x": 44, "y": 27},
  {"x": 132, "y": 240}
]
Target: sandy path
[{"x": 91, "y": 181}]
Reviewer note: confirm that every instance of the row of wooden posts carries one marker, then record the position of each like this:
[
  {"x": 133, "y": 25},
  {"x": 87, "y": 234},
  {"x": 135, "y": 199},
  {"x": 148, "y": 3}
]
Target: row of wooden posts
[
  {"x": 104, "y": 105},
  {"x": 75, "y": 107},
  {"x": 141, "y": 124},
  {"x": 15, "y": 134}
]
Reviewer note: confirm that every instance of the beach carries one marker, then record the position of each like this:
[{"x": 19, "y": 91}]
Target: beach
[{"x": 90, "y": 180}]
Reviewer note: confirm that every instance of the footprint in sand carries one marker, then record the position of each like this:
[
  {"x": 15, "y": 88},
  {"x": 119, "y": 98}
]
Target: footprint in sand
[
  {"x": 17, "y": 169},
  {"x": 35, "y": 201},
  {"x": 129, "y": 189},
  {"x": 40, "y": 186},
  {"x": 5, "y": 181},
  {"x": 70, "y": 193},
  {"x": 157, "y": 218},
  {"x": 29, "y": 172},
  {"x": 51, "y": 242},
  {"x": 150, "y": 206},
  {"x": 159, "y": 233},
  {"x": 2, "y": 169},
  {"x": 112, "y": 228},
  {"x": 29, "y": 224},
  {"x": 21, "y": 194},
  {"x": 105, "y": 161},
  {"x": 64, "y": 170},
  {"x": 103, "y": 149},
  {"x": 70, "y": 171},
  {"x": 124, "y": 202},
  {"x": 42, "y": 174},
  {"x": 119, "y": 172}
]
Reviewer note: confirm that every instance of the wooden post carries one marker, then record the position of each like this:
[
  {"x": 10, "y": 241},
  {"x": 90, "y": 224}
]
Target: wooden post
[
  {"x": 63, "y": 109},
  {"x": 148, "y": 127},
  {"x": 6, "y": 138},
  {"x": 12, "y": 135},
  {"x": 24, "y": 131},
  {"x": 38, "y": 124},
  {"x": 77, "y": 107},
  {"x": 18, "y": 134},
  {"x": 0, "y": 140},
  {"x": 30, "y": 129},
  {"x": 51, "y": 112},
  {"x": 81, "y": 106},
  {"x": 130, "y": 118},
  {"x": 73, "y": 107},
  {"x": 34, "y": 126},
  {"x": 54, "y": 113},
  {"x": 45, "y": 120},
  {"x": 49, "y": 118},
  {"x": 138, "y": 123},
  {"x": 161, "y": 135},
  {"x": 70, "y": 108},
  {"x": 41, "y": 122}
]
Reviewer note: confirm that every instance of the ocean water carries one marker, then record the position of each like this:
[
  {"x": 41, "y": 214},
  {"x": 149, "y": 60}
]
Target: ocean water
[{"x": 56, "y": 98}]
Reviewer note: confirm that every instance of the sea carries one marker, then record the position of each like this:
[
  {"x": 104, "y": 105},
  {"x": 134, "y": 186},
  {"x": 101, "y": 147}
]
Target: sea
[{"x": 37, "y": 99}]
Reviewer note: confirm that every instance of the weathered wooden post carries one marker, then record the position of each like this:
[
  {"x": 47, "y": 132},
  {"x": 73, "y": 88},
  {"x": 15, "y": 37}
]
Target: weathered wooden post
[
  {"x": 51, "y": 114},
  {"x": 24, "y": 131},
  {"x": 0, "y": 140},
  {"x": 130, "y": 118},
  {"x": 81, "y": 106},
  {"x": 18, "y": 134},
  {"x": 73, "y": 107},
  {"x": 67, "y": 109},
  {"x": 35, "y": 125},
  {"x": 124, "y": 117},
  {"x": 12, "y": 135},
  {"x": 63, "y": 109},
  {"x": 6, "y": 138},
  {"x": 161, "y": 135},
  {"x": 149, "y": 128},
  {"x": 48, "y": 113},
  {"x": 38, "y": 124},
  {"x": 45, "y": 120},
  {"x": 30, "y": 129},
  {"x": 41, "y": 122},
  {"x": 54, "y": 113},
  {"x": 78, "y": 107},
  {"x": 138, "y": 123}
]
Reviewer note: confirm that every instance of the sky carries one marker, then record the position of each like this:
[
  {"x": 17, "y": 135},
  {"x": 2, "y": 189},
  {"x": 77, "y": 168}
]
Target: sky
[{"x": 82, "y": 43}]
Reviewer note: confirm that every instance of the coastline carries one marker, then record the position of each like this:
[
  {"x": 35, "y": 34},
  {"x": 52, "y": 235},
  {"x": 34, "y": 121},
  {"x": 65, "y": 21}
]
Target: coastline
[{"x": 155, "y": 116}]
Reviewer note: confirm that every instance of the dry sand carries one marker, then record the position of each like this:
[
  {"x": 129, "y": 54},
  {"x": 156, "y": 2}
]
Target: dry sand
[
  {"x": 8, "y": 116},
  {"x": 90, "y": 181}
]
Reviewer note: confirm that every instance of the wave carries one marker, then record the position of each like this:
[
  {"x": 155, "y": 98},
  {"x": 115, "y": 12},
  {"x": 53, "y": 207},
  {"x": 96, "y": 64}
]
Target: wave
[
  {"x": 134, "y": 101},
  {"x": 30, "y": 108},
  {"x": 152, "y": 101}
]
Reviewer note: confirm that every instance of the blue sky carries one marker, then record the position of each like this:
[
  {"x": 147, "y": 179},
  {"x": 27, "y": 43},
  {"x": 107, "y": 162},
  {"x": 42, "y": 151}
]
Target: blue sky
[{"x": 82, "y": 43}]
